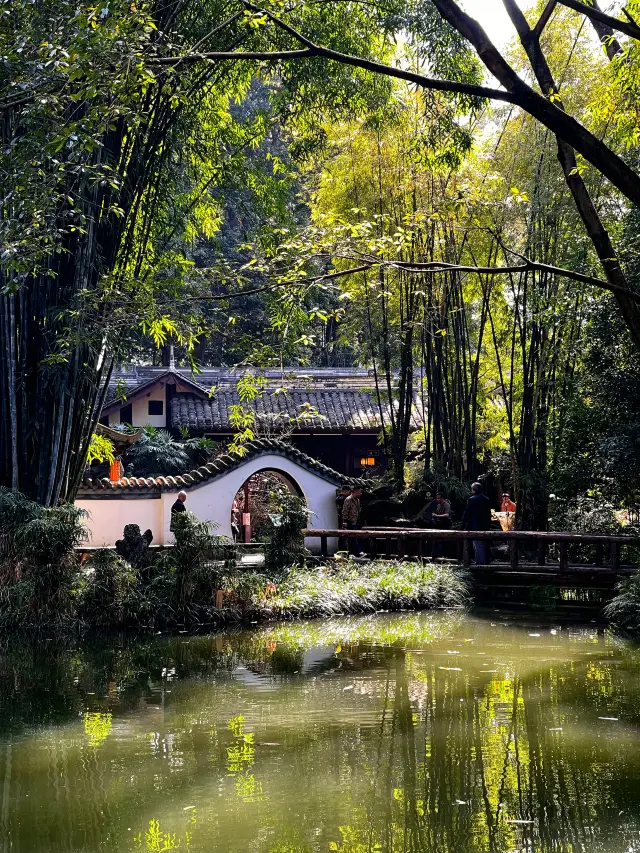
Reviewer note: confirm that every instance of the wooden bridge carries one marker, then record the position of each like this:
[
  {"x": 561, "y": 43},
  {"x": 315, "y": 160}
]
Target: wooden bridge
[{"x": 575, "y": 569}]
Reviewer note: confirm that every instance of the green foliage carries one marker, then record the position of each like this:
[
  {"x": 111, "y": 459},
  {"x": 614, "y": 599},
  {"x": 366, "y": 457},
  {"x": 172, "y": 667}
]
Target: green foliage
[
  {"x": 284, "y": 539},
  {"x": 101, "y": 449},
  {"x": 39, "y": 563},
  {"x": 585, "y": 514},
  {"x": 599, "y": 437},
  {"x": 196, "y": 560},
  {"x": 107, "y": 585},
  {"x": 624, "y": 609},
  {"x": 157, "y": 452}
]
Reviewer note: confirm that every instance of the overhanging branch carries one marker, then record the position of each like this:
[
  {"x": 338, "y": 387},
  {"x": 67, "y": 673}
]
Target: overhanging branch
[
  {"x": 629, "y": 28},
  {"x": 318, "y": 51}
]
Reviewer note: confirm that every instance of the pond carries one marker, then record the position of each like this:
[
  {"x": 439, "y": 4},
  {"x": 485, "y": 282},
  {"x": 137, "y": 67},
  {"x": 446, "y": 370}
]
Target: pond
[{"x": 409, "y": 732}]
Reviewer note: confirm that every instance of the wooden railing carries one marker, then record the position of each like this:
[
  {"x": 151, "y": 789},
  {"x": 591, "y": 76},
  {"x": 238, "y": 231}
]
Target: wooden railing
[{"x": 403, "y": 542}]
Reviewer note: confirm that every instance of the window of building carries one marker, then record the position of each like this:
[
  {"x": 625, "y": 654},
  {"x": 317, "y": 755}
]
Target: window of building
[
  {"x": 126, "y": 414},
  {"x": 156, "y": 407},
  {"x": 367, "y": 462}
]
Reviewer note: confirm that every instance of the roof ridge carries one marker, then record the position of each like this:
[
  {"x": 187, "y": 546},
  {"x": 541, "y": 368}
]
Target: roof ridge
[{"x": 218, "y": 467}]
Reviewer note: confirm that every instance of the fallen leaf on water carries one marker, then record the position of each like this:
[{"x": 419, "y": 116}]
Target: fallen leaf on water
[
  {"x": 451, "y": 668},
  {"x": 512, "y": 820},
  {"x": 348, "y": 687},
  {"x": 188, "y": 808},
  {"x": 613, "y": 719}
]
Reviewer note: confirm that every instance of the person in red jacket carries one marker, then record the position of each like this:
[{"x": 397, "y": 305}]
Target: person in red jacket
[{"x": 507, "y": 504}]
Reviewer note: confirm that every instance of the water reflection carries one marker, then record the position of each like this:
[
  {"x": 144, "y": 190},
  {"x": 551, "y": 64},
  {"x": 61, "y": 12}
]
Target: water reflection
[{"x": 413, "y": 733}]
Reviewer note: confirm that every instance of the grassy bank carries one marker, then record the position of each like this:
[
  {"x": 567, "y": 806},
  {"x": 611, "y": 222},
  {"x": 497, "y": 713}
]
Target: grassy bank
[{"x": 353, "y": 588}]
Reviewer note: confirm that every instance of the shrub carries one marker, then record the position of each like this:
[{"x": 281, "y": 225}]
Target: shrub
[
  {"x": 106, "y": 589},
  {"x": 285, "y": 540},
  {"x": 197, "y": 560},
  {"x": 590, "y": 513},
  {"x": 624, "y": 609},
  {"x": 40, "y": 563},
  {"x": 157, "y": 452}
]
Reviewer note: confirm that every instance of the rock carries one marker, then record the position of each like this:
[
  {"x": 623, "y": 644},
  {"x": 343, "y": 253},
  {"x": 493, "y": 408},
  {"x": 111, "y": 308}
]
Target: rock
[{"x": 133, "y": 546}]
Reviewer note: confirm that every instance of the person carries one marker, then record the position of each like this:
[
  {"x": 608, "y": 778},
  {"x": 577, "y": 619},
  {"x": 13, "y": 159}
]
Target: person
[
  {"x": 441, "y": 514},
  {"x": 236, "y": 519},
  {"x": 477, "y": 516},
  {"x": 177, "y": 508},
  {"x": 441, "y": 519},
  {"x": 345, "y": 491},
  {"x": 351, "y": 518},
  {"x": 507, "y": 504}
]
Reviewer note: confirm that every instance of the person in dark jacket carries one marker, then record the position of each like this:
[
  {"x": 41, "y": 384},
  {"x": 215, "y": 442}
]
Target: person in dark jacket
[
  {"x": 477, "y": 516},
  {"x": 176, "y": 508}
]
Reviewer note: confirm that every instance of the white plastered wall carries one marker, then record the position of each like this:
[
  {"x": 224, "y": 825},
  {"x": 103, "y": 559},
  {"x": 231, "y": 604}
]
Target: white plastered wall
[
  {"x": 210, "y": 501},
  {"x": 108, "y": 516},
  {"x": 140, "y": 409}
]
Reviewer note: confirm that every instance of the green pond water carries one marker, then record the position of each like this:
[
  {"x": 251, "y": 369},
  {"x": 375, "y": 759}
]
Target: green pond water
[{"x": 411, "y": 732}]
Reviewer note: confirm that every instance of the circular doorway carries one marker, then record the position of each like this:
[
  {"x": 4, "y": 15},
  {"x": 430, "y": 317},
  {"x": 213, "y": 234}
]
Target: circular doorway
[{"x": 257, "y": 500}]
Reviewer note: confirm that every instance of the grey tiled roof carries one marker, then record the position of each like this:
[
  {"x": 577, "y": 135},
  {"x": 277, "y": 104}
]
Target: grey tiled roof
[
  {"x": 344, "y": 409},
  {"x": 213, "y": 470}
]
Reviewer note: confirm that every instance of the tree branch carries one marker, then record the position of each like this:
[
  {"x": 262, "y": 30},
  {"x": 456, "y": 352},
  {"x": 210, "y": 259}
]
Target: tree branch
[
  {"x": 212, "y": 55},
  {"x": 346, "y": 59},
  {"x": 542, "y": 109},
  {"x": 629, "y": 28},
  {"x": 544, "y": 17},
  {"x": 527, "y": 266}
]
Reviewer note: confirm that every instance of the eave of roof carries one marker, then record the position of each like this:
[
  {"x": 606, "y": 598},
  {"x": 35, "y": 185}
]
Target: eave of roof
[{"x": 213, "y": 470}]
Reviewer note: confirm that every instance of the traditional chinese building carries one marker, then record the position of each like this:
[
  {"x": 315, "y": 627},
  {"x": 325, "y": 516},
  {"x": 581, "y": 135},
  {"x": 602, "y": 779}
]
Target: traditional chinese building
[{"x": 332, "y": 415}]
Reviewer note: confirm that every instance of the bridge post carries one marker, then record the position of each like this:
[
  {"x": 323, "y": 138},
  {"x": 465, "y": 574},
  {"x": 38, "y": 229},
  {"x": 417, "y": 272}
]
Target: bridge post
[
  {"x": 513, "y": 554},
  {"x": 542, "y": 552},
  {"x": 615, "y": 556},
  {"x": 466, "y": 553},
  {"x": 324, "y": 550},
  {"x": 564, "y": 557}
]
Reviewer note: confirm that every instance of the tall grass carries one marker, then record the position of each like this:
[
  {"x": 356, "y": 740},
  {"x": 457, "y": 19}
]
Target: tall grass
[{"x": 355, "y": 588}]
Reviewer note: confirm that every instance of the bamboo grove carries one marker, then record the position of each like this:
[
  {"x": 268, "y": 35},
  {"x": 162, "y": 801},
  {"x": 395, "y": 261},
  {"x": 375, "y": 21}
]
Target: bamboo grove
[{"x": 465, "y": 238}]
